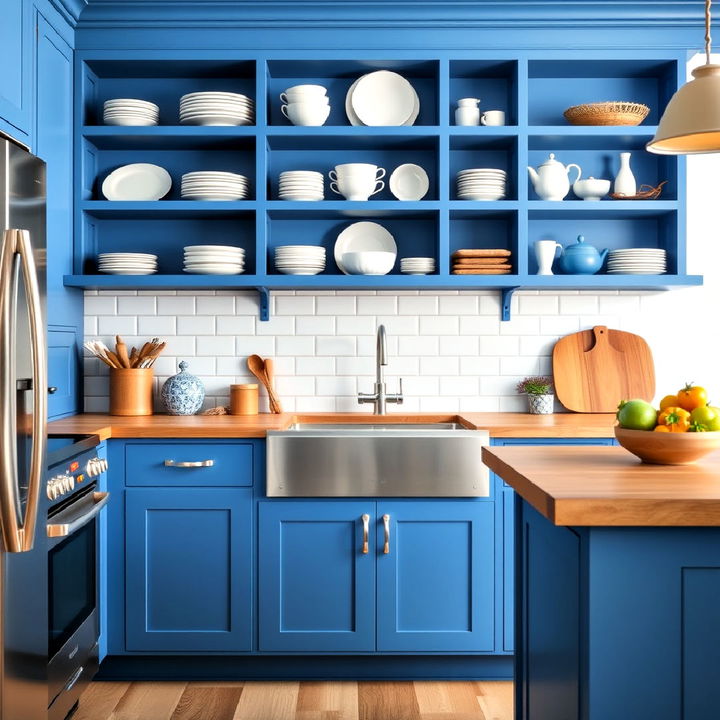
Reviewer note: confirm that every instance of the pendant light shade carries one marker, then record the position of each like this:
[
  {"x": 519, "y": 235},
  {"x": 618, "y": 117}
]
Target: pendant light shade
[{"x": 691, "y": 121}]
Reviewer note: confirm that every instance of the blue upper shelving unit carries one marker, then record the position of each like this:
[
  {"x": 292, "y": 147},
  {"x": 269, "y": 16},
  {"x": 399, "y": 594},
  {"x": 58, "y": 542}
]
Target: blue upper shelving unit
[{"x": 533, "y": 88}]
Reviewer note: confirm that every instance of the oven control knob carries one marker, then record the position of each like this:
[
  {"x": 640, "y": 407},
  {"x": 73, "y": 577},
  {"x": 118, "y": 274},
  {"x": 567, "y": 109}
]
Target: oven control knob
[
  {"x": 95, "y": 467},
  {"x": 104, "y": 464}
]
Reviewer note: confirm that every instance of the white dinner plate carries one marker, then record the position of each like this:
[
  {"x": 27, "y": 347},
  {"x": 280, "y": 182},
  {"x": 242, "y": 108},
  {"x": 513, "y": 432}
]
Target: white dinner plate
[
  {"x": 128, "y": 255},
  {"x": 355, "y": 120},
  {"x": 409, "y": 182},
  {"x": 140, "y": 182},
  {"x": 215, "y": 121},
  {"x": 129, "y": 121},
  {"x": 362, "y": 237},
  {"x": 129, "y": 272}
]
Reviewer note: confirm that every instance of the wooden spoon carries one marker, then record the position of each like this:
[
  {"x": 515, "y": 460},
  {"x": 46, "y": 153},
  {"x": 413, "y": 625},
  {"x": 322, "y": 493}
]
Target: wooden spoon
[
  {"x": 121, "y": 352},
  {"x": 270, "y": 374},
  {"x": 256, "y": 365}
]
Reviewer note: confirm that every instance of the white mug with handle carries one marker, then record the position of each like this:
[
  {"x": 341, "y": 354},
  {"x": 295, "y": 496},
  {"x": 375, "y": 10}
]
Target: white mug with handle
[
  {"x": 493, "y": 118},
  {"x": 545, "y": 254}
]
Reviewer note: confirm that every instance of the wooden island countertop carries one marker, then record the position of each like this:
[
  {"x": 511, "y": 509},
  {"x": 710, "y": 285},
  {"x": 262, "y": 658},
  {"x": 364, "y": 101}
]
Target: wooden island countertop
[
  {"x": 607, "y": 486},
  {"x": 500, "y": 425}
]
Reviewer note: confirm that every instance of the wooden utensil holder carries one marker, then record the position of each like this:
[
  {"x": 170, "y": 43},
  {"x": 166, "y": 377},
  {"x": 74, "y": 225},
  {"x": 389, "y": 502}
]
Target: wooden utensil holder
[
  {"x": 244, "y": 399},
  {"x": 131, "y": 391}
]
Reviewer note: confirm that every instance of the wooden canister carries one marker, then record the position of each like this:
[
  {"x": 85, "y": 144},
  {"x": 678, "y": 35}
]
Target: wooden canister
[
  {"x": 131, "y": 391},
  {"x": 244, "y": 399}
]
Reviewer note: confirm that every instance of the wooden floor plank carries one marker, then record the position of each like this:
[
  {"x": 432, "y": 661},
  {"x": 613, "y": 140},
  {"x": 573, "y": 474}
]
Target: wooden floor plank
[
  {"x": 388, "y": 700},
  {"x": 100, "y": 699},
  {"x": 148, "y": 701},
  {"x": 203, "y": 702},
  {"x": 336, "y": 700},
  {"x": 456, "y": 699},
  {"x": 496, "y": 699},
  {"x": 266, "y": 700}
]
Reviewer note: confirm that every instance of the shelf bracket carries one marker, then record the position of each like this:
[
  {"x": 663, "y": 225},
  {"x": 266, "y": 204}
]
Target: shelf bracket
[
  {"x": 264, "y": 301},
  {"x": 507, "y": 295}
]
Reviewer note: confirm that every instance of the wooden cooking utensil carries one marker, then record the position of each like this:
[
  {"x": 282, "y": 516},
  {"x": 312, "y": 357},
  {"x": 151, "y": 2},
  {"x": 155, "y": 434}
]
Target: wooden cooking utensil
[
  {"x": 270, "y": 374},
  {"x": 256, "y": 365},
  {"x": 121, "y": 351},
  {"x": 594, "y": 370}
]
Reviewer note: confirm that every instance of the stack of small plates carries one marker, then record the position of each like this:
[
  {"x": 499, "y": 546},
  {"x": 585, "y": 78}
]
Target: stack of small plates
[
  {"x": 125, "y": 111},
  {"x": 417, "y": 265},
  {"x": 637, "y": 261},
  {"x": 216, "y": 108},
  {"x": 127, "y": 263},
  {"x": 481, "y": 184},
  {"x": 214, "y": 260},
  {"x": 300, "y": 259},
  {"x": 213, "y": 185},
  {"x": 301, "y": 185}
]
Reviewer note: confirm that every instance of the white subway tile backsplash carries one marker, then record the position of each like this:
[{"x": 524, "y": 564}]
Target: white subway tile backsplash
[{"x": 450, "y": 348}]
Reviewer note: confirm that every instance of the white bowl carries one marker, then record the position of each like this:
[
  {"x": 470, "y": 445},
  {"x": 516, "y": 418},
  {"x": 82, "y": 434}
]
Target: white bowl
[
  {"x": 368, "y": 263},
  {"x": 591, "y": 188}
]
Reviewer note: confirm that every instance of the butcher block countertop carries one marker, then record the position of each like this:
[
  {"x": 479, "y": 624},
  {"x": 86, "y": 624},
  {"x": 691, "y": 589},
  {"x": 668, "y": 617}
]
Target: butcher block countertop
[
  {"x": 607, "y": 486},
  {"x": 500, "y": 425}
]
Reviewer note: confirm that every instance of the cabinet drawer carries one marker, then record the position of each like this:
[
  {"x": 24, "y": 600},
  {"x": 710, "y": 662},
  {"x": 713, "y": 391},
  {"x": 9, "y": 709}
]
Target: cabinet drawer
[{"x": 228, "y": 464}]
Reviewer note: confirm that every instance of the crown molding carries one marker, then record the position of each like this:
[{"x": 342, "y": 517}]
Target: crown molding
[
  {"x": 395, "y": 13},
  {"x": 69, "y": 9}
]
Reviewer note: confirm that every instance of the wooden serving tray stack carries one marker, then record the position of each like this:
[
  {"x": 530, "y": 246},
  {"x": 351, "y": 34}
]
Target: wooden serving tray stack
[{"x": 482, "y": 262}]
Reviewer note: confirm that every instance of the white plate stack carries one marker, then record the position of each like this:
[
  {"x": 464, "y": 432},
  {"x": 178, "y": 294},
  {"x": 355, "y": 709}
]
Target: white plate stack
[
  {"x": 214, "y": 260},
  {"x": 486, "y": 184},
  {"x": 213, "y": 186},
  {"x": 300, "y": 259},
  {"x": 216, "y": 108},
  {"x": 126, "y": 111},
  {"x": 127, "y": 263},
  {"x": 417, "y": 265},
  {"x": 303, "y": 185},
  {"x": 637, "y": 261}
]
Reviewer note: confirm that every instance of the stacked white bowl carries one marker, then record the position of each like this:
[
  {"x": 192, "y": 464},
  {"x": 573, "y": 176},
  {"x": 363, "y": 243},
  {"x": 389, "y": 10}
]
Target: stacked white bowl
[
  {"x": 121, "y": 263},
  {"x": 301, "y": 185},
  {"x": 368, "y": 262},
  {"x": 637, "y": 261},
  {"x": 216, "y": 108},
  {"x": 127, "y": 111},
  {"x": 300, "y": 259},
  {"x": 357, "y": 181},
  {"x": 306, "y": 105},
  {"x": 214, "y": 260},
  {"x": 481, "y": 184},
  {"x": 417, "y": 265},
  {"x": 213, "y": 185}
]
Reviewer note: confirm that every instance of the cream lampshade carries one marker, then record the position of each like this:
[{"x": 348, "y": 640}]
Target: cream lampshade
[{"x": 691, "y": 121}]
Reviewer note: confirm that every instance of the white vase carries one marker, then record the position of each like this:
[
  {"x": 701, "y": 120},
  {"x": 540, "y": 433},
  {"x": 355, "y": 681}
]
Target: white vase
[
  {"x": 545, "y": 252},
  {"x": 540, "y": 404},
  {"x": 625, "y": 180}
]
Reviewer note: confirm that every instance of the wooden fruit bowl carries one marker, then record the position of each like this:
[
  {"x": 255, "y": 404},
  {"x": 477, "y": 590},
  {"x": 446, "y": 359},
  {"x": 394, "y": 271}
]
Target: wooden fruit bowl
[{"x": 663, "y": 448}]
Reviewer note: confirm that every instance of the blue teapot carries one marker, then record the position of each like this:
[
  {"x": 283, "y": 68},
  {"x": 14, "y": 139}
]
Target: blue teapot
[{"x": 581, "y": 259}]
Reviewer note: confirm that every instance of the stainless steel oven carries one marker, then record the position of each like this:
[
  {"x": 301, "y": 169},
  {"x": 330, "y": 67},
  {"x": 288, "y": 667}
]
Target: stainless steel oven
[{"x": 74, "y": 505}]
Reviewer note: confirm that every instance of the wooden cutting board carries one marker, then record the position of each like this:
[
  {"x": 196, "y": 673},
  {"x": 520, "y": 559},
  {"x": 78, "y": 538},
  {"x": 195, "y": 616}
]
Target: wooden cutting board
[{"x": 594, "y": 370}]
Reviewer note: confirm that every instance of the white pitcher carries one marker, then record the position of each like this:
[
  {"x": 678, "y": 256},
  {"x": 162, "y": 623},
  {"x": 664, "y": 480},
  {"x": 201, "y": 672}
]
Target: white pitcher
[{"x": 545, "y": 252}]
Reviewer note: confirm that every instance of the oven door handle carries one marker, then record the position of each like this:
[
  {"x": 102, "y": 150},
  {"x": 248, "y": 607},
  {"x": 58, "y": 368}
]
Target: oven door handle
[{"x": 75, "y": 521}]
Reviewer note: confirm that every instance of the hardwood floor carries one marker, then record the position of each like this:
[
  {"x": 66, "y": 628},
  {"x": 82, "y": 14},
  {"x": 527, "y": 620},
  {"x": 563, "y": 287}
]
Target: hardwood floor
[{"x": 297, "y": 701}]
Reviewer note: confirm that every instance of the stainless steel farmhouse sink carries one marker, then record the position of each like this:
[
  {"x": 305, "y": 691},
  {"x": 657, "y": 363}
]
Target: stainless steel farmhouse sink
[{"x": 376, "y": 459}]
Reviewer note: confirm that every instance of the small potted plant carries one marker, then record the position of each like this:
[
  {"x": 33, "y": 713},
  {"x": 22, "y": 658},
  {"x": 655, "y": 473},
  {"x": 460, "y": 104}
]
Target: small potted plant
[{"x": 539, "y": 391}]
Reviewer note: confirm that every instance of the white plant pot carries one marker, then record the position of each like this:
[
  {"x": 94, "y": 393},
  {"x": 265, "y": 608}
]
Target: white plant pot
[{"x": 540, "y": 404}]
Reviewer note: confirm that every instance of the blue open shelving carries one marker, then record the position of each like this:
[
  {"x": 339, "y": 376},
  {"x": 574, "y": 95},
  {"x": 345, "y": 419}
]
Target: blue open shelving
[{"x": 532, "y": 88}]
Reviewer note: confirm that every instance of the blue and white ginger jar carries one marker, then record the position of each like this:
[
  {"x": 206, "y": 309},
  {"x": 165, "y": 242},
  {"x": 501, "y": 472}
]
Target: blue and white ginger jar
[{"x": 183, "y": 394}]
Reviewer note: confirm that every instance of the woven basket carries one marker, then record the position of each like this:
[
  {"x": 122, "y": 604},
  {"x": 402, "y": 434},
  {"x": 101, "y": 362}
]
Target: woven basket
[{"x": 607, "y": 113}]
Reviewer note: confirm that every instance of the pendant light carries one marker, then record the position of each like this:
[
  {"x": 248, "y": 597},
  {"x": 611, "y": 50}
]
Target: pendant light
[{"x": 691, "y": 121}]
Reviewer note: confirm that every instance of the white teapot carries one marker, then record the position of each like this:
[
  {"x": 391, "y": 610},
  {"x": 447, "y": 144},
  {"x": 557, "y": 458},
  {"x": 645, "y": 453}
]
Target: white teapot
[{"x": 551, "y": 180}]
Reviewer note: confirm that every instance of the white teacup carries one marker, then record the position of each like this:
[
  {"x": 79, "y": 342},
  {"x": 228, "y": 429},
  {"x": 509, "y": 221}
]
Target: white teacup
[
  {"x": 299, "y": 93},
  {"x": 357, "y": 181},
  {"x": 306, "y": 114},
  {"x": 493, "y": 117}
]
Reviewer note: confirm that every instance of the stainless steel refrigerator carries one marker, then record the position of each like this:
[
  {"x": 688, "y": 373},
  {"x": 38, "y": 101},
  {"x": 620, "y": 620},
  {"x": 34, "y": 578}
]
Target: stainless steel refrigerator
[{"x": 23, "y": 430}]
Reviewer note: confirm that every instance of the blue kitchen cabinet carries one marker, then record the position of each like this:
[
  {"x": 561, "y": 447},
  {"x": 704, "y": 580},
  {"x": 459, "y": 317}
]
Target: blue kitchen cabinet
[
  {"x": 316, "y": 585},
  {"x": 436, "y": 576},
  {"x": 188, "y": 569},
  {"x": 506, "y": 533},
  {"x": 16, "y": 61}
]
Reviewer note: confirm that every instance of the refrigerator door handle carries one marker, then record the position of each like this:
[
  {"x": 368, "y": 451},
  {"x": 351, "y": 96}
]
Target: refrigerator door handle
[{"x": 19, "y": 533}]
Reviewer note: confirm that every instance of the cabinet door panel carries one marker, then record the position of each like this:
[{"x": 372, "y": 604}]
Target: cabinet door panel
[
  {"x": 188, "y": 569},
  {"x": 436, "y": 583},
  {"x": 317, "y": 588},
  {"x": 15, "y": 65},
  {"x": 63, "y": 372}
]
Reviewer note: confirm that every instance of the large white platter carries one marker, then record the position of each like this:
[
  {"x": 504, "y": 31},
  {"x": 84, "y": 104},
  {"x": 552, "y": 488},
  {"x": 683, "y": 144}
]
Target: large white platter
[
  {"x": 355, "y": 119},
  {"x": 138, "y": 182}
]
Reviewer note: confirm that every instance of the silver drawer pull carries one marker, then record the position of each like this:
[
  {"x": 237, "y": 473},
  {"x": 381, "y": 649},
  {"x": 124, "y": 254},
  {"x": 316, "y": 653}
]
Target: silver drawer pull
[{"x": 196, "y": 464}]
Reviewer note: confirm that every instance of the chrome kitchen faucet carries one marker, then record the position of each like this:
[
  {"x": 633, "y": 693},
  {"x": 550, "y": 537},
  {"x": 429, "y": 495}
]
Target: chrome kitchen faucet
[{"x": 380, "y": 398}]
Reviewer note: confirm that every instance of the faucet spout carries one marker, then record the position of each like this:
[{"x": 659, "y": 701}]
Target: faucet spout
[
  {"x": 380, "y": 353},
  {"x": 380, "y": 398}
]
